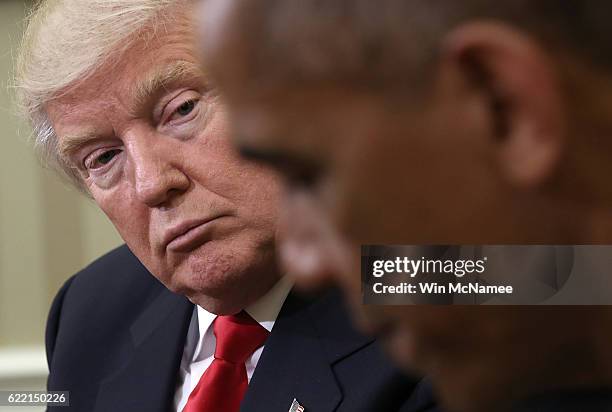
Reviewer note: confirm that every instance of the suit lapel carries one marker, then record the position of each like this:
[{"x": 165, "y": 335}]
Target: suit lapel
[
  {"x": 148, "y": 379},
  {"x": 309, "y": 336}
]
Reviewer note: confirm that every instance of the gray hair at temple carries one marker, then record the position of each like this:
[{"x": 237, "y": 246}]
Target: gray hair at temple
[
  {"x": 381, "y": 45},
  {"x": 65, "y": 41}
]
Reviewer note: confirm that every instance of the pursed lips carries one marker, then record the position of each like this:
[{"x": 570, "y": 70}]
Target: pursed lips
[{"x": 188, "y": 235}]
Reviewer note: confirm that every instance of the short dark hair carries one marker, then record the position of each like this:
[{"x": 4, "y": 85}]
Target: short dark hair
[{"x": 372, "y": 43}]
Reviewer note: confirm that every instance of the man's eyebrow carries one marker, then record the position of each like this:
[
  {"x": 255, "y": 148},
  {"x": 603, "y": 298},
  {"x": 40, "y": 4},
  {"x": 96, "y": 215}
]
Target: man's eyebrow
[
  {"x": 157, "y": 80},
  {"x": 160, "y": 78},
  {"x": 69, "y": 144}
]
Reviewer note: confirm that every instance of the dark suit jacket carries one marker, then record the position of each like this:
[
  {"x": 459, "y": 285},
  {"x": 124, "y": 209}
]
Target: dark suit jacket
[{"x": 115, "y": 339}]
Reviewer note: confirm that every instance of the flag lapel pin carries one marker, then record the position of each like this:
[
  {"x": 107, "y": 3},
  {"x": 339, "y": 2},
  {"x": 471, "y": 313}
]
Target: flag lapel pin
[{"x": 296, "y": 407}]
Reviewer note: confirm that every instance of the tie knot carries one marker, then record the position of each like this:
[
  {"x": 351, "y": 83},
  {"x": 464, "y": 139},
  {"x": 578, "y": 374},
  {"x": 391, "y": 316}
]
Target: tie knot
[{"x": 238, "y": 336}]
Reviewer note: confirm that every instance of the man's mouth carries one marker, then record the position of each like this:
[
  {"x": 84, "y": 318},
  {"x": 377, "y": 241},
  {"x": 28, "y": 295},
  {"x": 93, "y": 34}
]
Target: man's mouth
[{"x": 189, "y": 235}]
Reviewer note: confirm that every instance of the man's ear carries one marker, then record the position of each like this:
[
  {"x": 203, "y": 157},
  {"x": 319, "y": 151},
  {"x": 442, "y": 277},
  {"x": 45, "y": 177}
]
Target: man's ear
[{"x": 522, "y": 95}]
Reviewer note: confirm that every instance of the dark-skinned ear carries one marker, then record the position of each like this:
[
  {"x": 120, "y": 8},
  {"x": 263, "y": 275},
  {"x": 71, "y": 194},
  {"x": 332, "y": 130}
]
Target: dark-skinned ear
[{"x": 522, "y": 93}]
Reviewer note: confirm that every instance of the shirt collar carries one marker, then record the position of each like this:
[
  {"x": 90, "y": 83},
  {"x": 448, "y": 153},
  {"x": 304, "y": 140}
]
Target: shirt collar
[{"x": 265, "y": 311}]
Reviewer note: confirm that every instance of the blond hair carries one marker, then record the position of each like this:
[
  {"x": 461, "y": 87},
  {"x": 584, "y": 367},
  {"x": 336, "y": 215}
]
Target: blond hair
[{"x": 63, "y": 44}]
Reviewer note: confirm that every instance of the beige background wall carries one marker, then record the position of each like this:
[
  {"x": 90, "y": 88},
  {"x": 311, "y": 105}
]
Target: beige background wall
[{"x": 47, "y": 230}]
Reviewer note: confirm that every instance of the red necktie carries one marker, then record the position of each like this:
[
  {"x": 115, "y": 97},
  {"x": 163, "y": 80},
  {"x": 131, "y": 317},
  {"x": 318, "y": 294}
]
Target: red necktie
[{"x": 225, "y": 382}]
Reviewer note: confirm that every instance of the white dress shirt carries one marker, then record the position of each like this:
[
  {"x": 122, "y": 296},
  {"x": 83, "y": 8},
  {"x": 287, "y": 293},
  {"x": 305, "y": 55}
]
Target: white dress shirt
[{"x": 199, "y": 349}]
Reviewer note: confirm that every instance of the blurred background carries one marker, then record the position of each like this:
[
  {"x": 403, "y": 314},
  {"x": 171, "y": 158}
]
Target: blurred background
[{"x": 48, "y": 231}]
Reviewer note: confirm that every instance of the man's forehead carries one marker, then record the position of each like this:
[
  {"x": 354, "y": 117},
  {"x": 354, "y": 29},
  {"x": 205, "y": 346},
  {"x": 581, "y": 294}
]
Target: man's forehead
[
  {"x": 128, "y": 80},
  {"x": 90, "y": 99}
]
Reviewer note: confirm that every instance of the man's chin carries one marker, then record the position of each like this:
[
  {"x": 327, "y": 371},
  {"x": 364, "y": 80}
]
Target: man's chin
[
  {"x": 208, "y": 269},
  {"x": 212, "y": 281},
  {"x": 222, "y": 283},
  {"x": 215, "y": 292},
  {"x": 218, "y": 306}
]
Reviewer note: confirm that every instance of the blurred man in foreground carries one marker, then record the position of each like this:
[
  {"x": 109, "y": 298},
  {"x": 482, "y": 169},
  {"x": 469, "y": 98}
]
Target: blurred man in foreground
[
  {"x": 436, "y": 122},
  {"x": 120, "y": 104}
]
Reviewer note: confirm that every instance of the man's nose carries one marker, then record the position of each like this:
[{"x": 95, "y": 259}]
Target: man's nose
[
  {"x": 157, "y": 175},
  {"x": 309, "y": 248}
]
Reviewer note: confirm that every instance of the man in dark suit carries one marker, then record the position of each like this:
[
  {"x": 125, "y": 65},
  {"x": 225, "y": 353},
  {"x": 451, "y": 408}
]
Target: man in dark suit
[
  {"x": 116, "y": 338},
  {"x": 437, "y": 122},
  {"x": 195, "y": 316}
]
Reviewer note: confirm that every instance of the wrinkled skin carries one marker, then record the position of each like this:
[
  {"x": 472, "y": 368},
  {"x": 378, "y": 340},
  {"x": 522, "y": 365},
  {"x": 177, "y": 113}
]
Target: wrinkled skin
[{"x": 158, "y": 162}]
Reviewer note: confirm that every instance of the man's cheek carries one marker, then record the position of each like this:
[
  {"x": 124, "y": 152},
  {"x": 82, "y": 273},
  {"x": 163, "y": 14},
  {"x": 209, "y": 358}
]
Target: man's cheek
[{"x": 132, "y": 224}]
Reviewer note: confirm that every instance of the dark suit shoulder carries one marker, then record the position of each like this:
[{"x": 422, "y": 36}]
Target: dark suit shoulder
[
  {"x": 112, "y": 275},
  {"x": 89, "y": 321},
  {"x": 55, "y": 313},
  {"x": 115, "y": 284},
  {"x": 115, "y": 337}
]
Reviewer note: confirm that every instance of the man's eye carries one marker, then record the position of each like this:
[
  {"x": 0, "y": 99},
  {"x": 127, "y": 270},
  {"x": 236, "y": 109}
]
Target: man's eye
[
  {"x": 186, "y": 108},
  {"x": 96, "y": 162},
  {"x": 180, "y": 110},
  {"x": 106, "y": 157}
]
